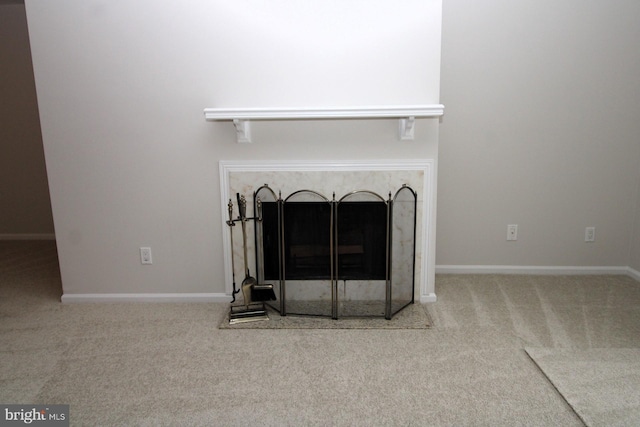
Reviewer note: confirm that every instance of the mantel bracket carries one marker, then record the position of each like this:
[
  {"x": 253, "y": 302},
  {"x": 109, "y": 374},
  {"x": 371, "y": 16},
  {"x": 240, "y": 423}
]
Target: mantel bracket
[
  {"x": 243, "y": 130},
  {"x": 407, "y": 128}
]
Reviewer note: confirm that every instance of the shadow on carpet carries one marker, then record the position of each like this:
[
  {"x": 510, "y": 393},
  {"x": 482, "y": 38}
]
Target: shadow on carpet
[
  {"x": 414, "y": 316},
  {"x": 601, "y": 385}
]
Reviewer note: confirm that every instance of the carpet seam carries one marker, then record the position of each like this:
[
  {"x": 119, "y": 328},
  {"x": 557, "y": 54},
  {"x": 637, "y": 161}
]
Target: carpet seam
[{"x": 582, "y": 420}]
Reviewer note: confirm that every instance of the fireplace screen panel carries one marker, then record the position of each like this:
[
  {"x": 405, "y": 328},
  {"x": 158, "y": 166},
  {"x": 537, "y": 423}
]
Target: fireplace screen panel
[
  {"x": 361, "y": 258},
  {"x": 403, "y": 249},
  {"x": 334, "y": 258},
  {"x": 307, "y": 253}
]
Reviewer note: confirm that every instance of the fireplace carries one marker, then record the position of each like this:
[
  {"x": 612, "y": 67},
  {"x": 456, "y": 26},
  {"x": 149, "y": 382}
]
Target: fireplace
[
  {"x": 347, "y": 257},
  {"x": 360, "y": 266}
]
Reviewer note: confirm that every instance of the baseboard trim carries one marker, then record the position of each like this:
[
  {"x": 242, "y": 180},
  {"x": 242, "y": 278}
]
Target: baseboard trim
[
  {"x": 105, "y": 298},
  {"x": 123, "y": 298},
  {"x": 532, "y": 270},
  {"x": 634, "y": 273},
  {"x": 427, "y": 298},
  {"x": 28, "y": 236}
]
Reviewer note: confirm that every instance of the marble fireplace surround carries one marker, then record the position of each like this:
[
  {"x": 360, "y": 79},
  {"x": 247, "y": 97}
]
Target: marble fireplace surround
[{"x": 327, "y": 177}]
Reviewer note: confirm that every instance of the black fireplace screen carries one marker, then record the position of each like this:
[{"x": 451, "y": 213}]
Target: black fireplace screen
[{"x": 347, "y": 257}]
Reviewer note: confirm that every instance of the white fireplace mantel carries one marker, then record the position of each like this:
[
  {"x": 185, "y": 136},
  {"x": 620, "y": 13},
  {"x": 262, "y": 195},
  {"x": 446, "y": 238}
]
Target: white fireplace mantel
[{"x": 406, "y": 114}]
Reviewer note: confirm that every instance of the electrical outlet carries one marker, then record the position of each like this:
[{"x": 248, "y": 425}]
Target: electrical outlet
[
  {"x": 512, "y": 232},
  {"x": 590, "y": 234},
  {"x": 145, "y": 256}
]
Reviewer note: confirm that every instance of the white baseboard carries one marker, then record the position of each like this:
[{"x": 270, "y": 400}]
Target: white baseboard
[
  {"x": 634, "y": 273},
  {"x": 103, "y": 298},
  {"x": 428, "y": 298},
  {"x": 519, "y": 269},
  {"x": 27, "y": 236},
  {"x": 108, "y": 298}
]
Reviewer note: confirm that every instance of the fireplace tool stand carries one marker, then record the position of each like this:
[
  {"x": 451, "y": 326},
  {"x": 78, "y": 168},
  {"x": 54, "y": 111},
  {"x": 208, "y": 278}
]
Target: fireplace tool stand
[{"x": 254, "y": 294}]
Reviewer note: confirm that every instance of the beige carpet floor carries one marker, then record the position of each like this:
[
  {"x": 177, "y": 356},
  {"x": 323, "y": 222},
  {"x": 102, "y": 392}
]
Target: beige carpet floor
[
  {"x": 601, "y": 385},
  {"x": 170, "y": 364}
]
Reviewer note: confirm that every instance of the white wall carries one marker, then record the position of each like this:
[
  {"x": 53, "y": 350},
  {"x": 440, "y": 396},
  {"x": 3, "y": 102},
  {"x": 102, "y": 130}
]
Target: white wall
[
  {"x": 132, "y": 162},
  {"x": 541, "y": 130},
  {"x": 634, "y": 262},
  {"x": 25, "y": 210},
  {"x": 309, "y": 53}
]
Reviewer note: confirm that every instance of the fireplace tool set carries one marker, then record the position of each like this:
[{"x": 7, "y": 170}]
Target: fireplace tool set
[{"x": 253, "y": 294}]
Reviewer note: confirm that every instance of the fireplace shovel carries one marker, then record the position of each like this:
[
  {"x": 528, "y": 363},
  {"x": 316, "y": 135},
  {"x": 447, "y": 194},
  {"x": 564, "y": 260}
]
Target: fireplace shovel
[{"x": 251, "y": 290}]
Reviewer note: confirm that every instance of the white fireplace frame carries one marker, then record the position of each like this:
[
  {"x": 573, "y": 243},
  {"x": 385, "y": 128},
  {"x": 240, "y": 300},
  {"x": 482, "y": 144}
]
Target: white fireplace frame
[{"x": 426, "y": 285}]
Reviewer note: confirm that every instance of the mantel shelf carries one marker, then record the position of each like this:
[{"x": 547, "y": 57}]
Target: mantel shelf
[{"x": 406, "y": 114}]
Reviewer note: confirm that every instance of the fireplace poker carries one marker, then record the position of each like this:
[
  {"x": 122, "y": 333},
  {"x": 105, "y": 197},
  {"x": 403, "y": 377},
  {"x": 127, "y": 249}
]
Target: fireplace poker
[{"x": 231, "y": 224}]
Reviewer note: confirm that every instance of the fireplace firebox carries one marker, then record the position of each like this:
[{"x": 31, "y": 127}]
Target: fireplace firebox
[
  {"x": 360, "y": 245},
  {"x": 347, "y": 257}
]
